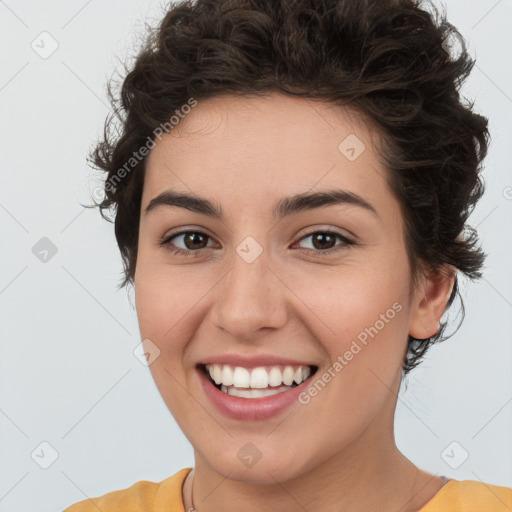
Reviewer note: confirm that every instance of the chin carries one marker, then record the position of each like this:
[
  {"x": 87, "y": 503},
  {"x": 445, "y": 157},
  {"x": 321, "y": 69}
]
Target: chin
[{"x": 272, "y": 466}]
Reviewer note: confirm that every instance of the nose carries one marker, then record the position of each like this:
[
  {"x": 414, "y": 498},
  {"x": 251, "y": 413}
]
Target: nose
[{"x": 250, "y": 299}]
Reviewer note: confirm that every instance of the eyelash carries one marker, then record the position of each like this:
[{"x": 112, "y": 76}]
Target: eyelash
[{"x": 166, "y": 243}]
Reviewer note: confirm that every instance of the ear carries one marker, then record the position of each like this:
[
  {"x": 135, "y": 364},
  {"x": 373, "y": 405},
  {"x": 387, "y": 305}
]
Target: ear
[{"x": 430, "y": 301}]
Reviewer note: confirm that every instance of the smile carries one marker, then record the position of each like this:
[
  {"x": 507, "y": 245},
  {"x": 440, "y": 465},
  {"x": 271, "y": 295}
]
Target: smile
[
  {"x": 256, "y": 389},
  {"x": 257, "y": 382}
]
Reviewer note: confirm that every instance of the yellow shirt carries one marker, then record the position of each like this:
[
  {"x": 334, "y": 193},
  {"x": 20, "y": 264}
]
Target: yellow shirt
[{"x": 144, "y": 496}]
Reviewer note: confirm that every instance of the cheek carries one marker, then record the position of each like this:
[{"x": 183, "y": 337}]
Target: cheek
[
  {"x": 160, "y": 294},
  {"x": 162, "y": 308},
  {"x": 170, "y": 302},
  {"x": 355, "y": 302},
  {"x": 161, "y": 311}
]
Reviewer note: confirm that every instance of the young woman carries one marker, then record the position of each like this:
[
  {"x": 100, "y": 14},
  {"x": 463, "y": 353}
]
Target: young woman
[{"x": 292, "y": 182}]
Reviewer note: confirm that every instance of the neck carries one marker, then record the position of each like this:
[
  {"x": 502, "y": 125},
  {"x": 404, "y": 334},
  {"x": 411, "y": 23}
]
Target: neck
[
  {"x": 386, "y": 482},
  {"x": 370, "y": 474}
]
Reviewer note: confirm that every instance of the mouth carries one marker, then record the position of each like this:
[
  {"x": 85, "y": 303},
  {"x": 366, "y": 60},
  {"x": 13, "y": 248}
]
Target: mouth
[{"x": 257, "y": 382}]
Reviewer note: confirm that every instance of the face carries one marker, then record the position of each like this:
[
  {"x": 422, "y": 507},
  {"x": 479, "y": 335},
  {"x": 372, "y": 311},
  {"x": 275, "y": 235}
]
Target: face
[{"x": 258, "y": 280}]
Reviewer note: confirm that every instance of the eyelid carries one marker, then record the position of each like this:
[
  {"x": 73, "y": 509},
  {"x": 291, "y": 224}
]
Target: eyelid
[
  {"x": 166, "y": 239},
  {"x": 185, "y": 230},
  {"x": 315, "y": 228},
  {"x": 346, "y": 241},
  {"x": 310, "y": 231}
]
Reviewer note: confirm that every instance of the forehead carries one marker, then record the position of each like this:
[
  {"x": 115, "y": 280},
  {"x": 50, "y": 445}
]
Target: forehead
[
  {"x": 260, "y": 147},
  {"x": 276, "y": 120}
]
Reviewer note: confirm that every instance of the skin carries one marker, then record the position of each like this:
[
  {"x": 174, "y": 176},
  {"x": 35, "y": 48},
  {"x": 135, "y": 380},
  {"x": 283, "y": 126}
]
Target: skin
[{"x": 245, "y": 154}]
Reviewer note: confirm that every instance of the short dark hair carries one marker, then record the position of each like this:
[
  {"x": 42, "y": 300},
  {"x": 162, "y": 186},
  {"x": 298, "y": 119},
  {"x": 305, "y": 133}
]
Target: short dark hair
[{"x": 392, "y": 60}]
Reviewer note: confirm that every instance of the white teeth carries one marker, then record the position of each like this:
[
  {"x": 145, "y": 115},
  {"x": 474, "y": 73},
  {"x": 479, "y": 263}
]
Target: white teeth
[
  {"x": 260, "y": 378},
  {"x": 241, "y": 378},
  {"x": 217, "y": 374},
  {"x": 275, "y": 377},
  {"x": 226, "y": 375},
  {"x": 253, "y": 393},
  {"x": 288, "y": 375},
  {"x": 301, "y": 374}
]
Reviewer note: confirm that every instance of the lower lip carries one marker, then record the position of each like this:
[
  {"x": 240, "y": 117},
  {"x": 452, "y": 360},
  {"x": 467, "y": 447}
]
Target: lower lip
[{"x": 250, "y": 408}]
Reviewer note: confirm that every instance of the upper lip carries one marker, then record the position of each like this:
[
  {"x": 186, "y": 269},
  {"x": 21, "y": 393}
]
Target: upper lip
[{"x": 253, "y": 361}]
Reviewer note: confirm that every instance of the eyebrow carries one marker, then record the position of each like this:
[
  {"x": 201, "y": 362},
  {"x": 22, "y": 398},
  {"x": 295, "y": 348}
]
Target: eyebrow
[{"x": 284, "y": 207}]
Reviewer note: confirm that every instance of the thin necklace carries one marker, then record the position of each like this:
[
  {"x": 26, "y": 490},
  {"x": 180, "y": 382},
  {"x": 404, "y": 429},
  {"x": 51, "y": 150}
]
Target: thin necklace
[{"x": 193, "y": 508}]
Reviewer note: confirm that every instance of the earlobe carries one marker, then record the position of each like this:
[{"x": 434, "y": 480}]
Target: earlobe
[{"x": 430, "y": 302}]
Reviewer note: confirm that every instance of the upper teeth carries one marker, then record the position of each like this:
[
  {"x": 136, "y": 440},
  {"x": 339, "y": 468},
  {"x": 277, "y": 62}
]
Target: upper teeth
[{"x": 260, "y": 377}]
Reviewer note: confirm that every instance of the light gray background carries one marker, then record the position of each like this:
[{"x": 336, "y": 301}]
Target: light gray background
[{"x": 68, "y": 374}]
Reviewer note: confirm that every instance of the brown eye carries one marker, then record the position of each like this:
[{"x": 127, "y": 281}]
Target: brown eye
[
  {"x": 194, "y": 240},
  {"x": 324, "y": 242},
  {"x": 186, "y": 242}
]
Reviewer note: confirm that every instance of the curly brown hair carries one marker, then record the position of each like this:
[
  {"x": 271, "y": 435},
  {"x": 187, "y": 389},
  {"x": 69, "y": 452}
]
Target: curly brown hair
[{"x": 390, "y": 59}]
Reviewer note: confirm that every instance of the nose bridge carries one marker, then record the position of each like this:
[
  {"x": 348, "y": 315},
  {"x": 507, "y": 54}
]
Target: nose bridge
[{"x": 249, "y": 297}]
